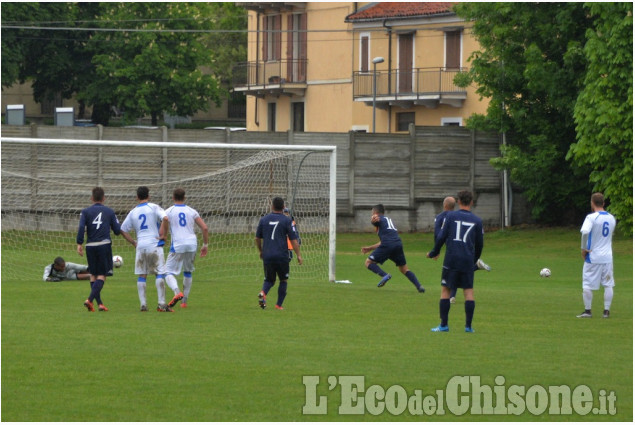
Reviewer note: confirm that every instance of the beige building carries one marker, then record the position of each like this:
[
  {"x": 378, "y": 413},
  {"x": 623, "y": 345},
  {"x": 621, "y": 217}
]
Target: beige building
[{"x": 337, "y": 67}]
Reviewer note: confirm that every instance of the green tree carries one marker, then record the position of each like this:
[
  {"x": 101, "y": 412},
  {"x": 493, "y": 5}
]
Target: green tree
[
  {"x": 55, "y": 62},
  {"x": 153, "y": 70},
  {"x": 531, "y": 66},
  {"x": 604, "y": 108}
]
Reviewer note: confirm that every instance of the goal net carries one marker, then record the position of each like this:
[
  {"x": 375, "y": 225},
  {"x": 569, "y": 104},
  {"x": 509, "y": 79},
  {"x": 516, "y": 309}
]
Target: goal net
[{"x": 47, "y": 182}]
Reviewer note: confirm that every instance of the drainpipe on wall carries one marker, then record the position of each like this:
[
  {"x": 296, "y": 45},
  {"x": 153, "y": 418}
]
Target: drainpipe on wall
[
  {"x": 256, "y": 121},
  {"x": 389, "y": 31}
]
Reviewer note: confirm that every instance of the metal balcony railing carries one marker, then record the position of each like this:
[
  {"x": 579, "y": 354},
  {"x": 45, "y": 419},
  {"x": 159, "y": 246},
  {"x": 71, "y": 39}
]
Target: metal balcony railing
[
  {"x": 260, "y": 74},
  {"x": 409, "y": 84}
]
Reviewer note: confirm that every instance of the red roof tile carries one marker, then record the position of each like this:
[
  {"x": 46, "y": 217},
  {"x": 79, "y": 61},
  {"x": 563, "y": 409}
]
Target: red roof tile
[{"x": 399, "y": 10}]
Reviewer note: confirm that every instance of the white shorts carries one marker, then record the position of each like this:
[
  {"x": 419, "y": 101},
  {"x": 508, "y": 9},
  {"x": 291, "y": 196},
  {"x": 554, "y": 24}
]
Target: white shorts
[
  {"x": 595, "y": 274},
  {"x": 149, "y": 261},
  {"x": 178, "y": 261}
]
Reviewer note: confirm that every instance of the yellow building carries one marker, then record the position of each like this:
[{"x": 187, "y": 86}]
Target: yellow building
[{"x": 337, "y": 67}]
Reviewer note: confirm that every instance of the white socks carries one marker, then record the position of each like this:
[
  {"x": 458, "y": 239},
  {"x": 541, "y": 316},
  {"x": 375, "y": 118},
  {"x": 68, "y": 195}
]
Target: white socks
[
  {"x": 141, "y": 289},
  {"x": 587, "y": 297},
  {"x": 608, "y": 297}
]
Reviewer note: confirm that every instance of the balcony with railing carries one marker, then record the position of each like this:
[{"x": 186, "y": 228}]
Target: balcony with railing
[
  {"x": 260, "y": 78},
  {"x": 430, "y": 87}
]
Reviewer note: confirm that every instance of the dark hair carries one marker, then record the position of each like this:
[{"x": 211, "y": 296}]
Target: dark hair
[
  {"x": 465, "y": 197},
  {"x": 598, "y": 199},
  {"x": 143, "y": 192},
  {"x": 179, "y": 194},
  {"x": 278, "y": 203},
  {"x": 59, "y": 261},
  {"x": 98, "y": 194},
  {"x": 379, "y": 209}
]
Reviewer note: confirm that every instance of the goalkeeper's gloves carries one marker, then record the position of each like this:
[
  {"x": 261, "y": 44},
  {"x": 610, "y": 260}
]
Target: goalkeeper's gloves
[{"x": 53, "y": 279}]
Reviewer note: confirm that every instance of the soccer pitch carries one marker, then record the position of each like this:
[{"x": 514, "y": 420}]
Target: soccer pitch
[{"x": 225, "y": 359}]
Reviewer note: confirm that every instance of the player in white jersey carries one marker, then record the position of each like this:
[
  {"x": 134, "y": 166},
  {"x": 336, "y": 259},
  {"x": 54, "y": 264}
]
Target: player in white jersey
[
  {"x": 184, "y": 244},
  {"x": 597, "y": 252},
  {"x": 150, "y": 223}
]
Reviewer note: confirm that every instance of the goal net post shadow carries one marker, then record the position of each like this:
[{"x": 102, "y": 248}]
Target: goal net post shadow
[{"x": 47, "y": 182}]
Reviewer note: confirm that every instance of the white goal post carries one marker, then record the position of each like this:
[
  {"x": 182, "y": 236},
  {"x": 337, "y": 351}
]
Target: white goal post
[{"x": 47, "y": 182}]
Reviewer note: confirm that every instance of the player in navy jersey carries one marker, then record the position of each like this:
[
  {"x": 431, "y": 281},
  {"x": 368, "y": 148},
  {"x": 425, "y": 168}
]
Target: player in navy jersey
[
  {"x": 389, "y": 247},
  {"x": 271, "y": 241},
  {"x": 97, "y": 221},
  {"x": 448, "y": 205},
  {"x": 462, "y": 233}
]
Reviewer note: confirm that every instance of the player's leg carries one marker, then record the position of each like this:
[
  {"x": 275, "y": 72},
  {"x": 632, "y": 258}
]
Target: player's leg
[
  {"x": 444, "y": 301},
  {"x": 609, "y": 283},
  {"x": 480, "y": 265},
  {"x": 453, "y": 296},
  {"x": 283, "y": 276},
  {"x": 591, "y": 276},
  {"x": 411, "y": 277},
  {"x": 173, "y": 267},
  {"x": 92, "y": 259},
  {"x": 160, "y": 278},
  {"x": 377, "y": 257},
  {"x": 470, "y": 304},
  {"x": 267, "y": 284},
  {"x": 141, "y": 270},
  {"x": 188, "y": 268}
]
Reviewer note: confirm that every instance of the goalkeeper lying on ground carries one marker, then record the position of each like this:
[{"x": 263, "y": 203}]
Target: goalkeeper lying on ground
[{"x": 61, "y": 270}]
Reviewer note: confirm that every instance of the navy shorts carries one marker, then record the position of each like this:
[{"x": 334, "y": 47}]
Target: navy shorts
[
  {"x": 389, "y": 252},
  {"x": 99, "y": 259},
  {"x": 454, "y": 279},
  {"x": 276, "y": 269}
]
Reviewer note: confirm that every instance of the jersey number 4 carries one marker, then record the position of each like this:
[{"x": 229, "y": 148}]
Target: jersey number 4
[{"x": 97, "y": 221}]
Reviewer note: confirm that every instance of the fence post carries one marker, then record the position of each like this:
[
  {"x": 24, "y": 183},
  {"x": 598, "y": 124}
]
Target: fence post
[
  {"x": 351, "y": 172},
  {"x": 473, "y": 160},
  {"x": 413, "y": 141}
]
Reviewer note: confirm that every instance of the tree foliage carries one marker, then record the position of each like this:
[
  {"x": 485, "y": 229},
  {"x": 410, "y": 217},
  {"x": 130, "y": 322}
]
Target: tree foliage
[
  {"x": 55, "y": 62},
  {"x": 604, "y": 108},
  {"x": 150, "y": 72},
  {"x": 143, "y": 72},
  {"x": 531, "y": 66}
]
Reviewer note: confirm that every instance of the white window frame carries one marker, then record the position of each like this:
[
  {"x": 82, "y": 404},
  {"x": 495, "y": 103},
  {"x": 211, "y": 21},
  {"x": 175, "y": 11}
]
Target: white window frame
[{"x": 446, "y": 121}]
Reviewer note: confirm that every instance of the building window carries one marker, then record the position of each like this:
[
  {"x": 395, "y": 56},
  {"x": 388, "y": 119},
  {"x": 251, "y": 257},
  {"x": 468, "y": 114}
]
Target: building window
[
  {"x": 452, "y": 121},
  {"x": 404, "y": 119},
  {"x": 364, "y": 53},
  {"x": 271, "y": 116},
  {"x": 453, "y": 49},
  {"x": 298, "y": 116},
  {"x": 272, "y": 40}
]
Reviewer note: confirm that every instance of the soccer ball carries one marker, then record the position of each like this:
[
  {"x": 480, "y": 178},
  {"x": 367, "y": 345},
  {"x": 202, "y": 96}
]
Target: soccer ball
[
  {"x": 545, "y": 272},
  {"x": 117, "y": 261}
]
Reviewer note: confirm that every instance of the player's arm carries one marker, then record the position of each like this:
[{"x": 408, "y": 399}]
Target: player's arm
[
  {"x": 163, "y": 229},
  {"x": 80, "y": 234},
  {"x": 370, "y": 248},
  {"x": 438, "y": 243},
  {"x": 296, "y": 249},
  {"x": 47, "y": 273},
  {"x": 584, "y": 243},
  {"x": 259, "y": 245},
  {"x": 201, "y": 224},
  {"x": 478, "y": 243},
  {"x": 115, "y": 226},
  {"x": 129, "y": 238}
]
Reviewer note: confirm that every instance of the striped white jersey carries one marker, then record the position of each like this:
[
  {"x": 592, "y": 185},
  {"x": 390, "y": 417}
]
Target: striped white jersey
[
  {"x": 145, "y": 220},
  {"x": 182, "y": 221},
  {"x": 597, "y": 235}
]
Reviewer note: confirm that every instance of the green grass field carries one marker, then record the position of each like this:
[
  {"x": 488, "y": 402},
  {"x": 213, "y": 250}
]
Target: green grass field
[{"x": 225, "y": 359}]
